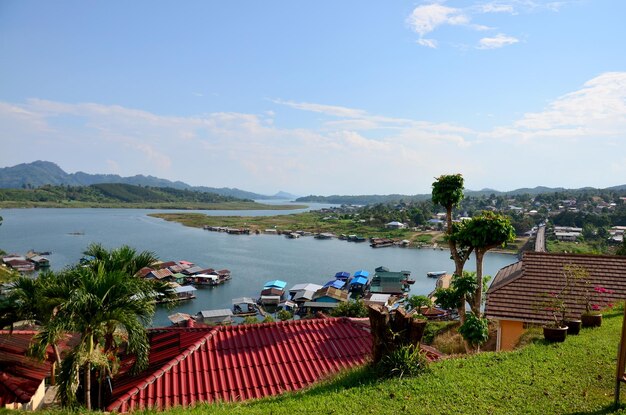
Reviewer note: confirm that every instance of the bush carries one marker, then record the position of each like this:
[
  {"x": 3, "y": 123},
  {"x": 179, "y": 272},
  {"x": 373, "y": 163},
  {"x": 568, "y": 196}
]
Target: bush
[
  {"x": 406, "y": 360},
  {"x": 350, "y": 309},
  {"x": 250, "y": 320},
  {"x": 284, "y": 315},
  {"x": 268, "y": 319},
  {"x": 475, "y": 330}
]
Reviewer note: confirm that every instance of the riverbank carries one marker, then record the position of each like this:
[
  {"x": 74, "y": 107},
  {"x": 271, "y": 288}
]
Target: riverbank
[
  {"x": 243, "y": 205},
  {"x": 316, "y": 222}
]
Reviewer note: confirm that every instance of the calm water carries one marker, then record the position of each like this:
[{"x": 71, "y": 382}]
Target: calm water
[{"x": 252, "y": 259}]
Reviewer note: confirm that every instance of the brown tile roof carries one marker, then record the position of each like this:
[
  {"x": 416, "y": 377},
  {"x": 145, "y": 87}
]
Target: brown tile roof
[{"x": 517, "y": 288}]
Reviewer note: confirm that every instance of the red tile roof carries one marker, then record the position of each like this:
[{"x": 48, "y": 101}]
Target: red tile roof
[
  {"x": 20, "y": 376},
  {"x": 189, "y": 365},
  {"x": 517, "y": 288}
]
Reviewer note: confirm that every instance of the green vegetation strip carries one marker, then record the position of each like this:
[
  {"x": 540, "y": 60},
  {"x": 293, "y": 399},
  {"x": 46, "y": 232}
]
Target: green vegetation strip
[
  {"x": 159, "y": 205},
  {"x": 572, "y": 377},
  {"x": 308, "y": 221}
]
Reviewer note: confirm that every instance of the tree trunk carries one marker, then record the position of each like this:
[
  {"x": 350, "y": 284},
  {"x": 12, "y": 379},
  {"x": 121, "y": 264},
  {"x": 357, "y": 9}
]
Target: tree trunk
[
  {"x": 478, "y": 295},
  {"x": 390, "y": 333},
  {"x": 87, "y": 385}
]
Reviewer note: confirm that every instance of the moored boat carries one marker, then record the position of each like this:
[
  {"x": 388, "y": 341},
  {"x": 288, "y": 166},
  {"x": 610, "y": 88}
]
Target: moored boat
[{"x": 435, "y": 274}]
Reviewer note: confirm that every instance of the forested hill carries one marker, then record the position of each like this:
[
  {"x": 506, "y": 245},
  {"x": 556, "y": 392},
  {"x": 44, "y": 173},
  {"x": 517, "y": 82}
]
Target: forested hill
[
  {"x": 112, "y": 193},
  {"x": 395, "y": 198},
  {"x": 41, "y": 173}
]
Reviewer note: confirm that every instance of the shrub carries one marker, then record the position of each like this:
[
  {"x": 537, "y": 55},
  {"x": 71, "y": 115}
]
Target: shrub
[
  {"x": 350, "y": 309},
  {"x": 250, "y": 320},
  {"x": 419, "y": 301},
  {"x": 284, "y": 315},
  {"x": 475, "y": 330},
  {"x": 268, "y": 319},
  {"x": 406, "y": 360}
]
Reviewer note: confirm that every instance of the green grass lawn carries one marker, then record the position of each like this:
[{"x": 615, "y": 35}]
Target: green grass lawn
[{"x": 575, "y": 377}]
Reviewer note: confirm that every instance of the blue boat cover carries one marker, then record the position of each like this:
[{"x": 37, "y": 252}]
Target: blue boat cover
[
  {"x": 342, "y": 275},
  {"x": 275, "y": 283},
  {"x": 338, "y": 284},
  {"x": 358, "y": 280},
  {"x": 361, "y": 273}
]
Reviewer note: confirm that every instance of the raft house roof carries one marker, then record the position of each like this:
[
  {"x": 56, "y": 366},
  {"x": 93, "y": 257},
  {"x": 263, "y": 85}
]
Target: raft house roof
[
  {"x": 338, "y": 284},
  {"x": 342, "y": 275},
  {"x": 275, "y": 284},
  {"x": 358, "y": 281}
]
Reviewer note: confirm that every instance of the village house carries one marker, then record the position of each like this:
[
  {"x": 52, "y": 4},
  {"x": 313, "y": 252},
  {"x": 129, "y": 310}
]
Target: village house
[{"x": 514, "y": 295}]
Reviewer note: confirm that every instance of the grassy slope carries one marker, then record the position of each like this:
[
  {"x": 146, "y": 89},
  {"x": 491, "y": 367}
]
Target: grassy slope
[{"x": 572, "y": 377}]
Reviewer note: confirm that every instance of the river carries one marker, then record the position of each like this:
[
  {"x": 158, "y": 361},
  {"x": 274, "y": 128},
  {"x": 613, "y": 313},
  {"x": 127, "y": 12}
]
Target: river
[{"x": 252, "y": 259}]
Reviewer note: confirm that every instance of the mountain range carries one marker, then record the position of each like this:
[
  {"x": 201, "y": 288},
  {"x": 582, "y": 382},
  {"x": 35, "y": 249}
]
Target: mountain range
[{"x": 39, "y": 173}]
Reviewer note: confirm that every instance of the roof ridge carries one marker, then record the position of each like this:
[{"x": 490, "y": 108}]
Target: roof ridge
[
  {"x": 579, "y": 255},
  {"x": 166, "y": 367},
  {"x": 505, "y": 283}
]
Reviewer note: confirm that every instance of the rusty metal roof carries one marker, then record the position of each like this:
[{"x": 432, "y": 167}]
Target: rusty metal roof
[
  {"x": 517, "y": 288},
  {"x": 190, "y": 365}
]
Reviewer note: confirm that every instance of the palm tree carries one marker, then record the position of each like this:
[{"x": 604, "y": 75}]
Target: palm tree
[
  {"x": 108, "y": 305},
  {"x": 99, "y": 305},
  {"x": 123, "y": 258}
]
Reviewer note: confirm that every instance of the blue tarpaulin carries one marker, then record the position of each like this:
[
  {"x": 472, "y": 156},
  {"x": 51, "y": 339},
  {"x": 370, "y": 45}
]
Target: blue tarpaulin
[
  {"x": 342, "y": 275},
  {"x": 275, "y": 283},
  {"x": 361, "y": 273},
  {"x": 338, "y": 284},
  {"x": 358, "y": 280}
]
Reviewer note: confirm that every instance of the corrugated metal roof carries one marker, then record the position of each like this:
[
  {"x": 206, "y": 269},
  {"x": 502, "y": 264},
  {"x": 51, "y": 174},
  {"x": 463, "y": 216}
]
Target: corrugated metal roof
[
  {"x": 275, "y": 284},
  {"x": 190, "y": 365}
]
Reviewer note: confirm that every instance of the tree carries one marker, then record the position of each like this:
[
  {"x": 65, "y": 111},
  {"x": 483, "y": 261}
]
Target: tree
[
  {"x": 107, "y": 308},
  {"x": 105, "y": 302},
  {"x": 350, "y": 309},
  {"x": 448, "y": 192},
  {"x": 124, "y": 258},
  {"x": 419, "y": 301},
  {"x": 481, "y": 234}
]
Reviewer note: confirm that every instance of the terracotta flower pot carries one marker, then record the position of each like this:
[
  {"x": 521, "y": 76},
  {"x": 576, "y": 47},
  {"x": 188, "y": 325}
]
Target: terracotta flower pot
[
  {"x": 573, "y": 326},
  {"x": 591, "y": 320},
  {"x": 555, "y": 334}
]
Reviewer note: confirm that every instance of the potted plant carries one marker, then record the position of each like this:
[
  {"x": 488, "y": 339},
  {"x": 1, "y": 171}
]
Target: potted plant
[
  {"x": 595, "y": 301},
  {"x": 553, "y": 304},
  {"x": 594, "y": 297}
]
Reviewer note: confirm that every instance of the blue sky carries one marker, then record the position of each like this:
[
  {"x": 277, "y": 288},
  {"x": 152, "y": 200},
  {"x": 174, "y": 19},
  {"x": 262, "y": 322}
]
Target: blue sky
[{"x": 324, "y": 97}]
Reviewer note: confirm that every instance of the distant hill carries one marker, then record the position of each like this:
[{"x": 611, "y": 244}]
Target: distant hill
[
  {"x": 40, "y": 173},
  {"x": 373, "y": 199},
  {"x": 112, "y": 193}
]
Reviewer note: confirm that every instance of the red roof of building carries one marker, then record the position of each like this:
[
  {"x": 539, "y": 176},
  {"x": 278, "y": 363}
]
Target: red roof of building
[
  {"x": 20, "y": 376},
  {"x": 230, "y": 363}
]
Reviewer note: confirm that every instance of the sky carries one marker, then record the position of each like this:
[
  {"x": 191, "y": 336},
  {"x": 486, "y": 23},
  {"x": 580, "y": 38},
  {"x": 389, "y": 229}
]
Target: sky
[{"x": 319, "y": 97}]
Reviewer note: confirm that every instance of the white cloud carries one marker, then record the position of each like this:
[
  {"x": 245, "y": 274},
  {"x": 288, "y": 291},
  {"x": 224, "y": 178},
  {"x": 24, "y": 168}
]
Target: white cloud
[
  {"x": 425, "y": 19},
  {"x": 429, "y": 43},
  {"x": 596, "y": 110},
  {"x": 496, "y": 42},
  {"x": 244, "y": 150},
  {"x": 496, "y": 7}
]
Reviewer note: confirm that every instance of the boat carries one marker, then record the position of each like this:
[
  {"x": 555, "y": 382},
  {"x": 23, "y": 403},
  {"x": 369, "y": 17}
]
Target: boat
[
  {"x": 435, "y": 274},
  {"x": 244, "y": 306},
  {"x": 324, "y": 235}
]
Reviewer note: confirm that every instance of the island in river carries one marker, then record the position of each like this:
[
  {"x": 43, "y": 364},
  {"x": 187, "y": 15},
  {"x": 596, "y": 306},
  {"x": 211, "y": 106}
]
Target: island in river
[{"x": 316, "y": 222}]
